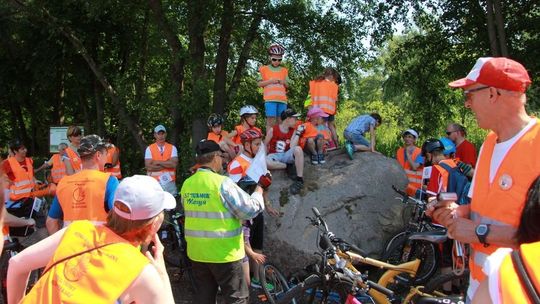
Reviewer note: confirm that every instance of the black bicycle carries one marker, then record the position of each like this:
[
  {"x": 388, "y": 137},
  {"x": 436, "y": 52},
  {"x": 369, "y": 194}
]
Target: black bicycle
[{"x": 172, "y": 236}]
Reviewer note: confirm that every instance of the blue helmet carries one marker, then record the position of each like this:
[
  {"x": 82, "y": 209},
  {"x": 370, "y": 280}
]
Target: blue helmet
[{"x": 449, "y": 146}]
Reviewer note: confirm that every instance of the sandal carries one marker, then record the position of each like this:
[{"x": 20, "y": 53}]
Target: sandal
[{"x": 296, "y": 186}]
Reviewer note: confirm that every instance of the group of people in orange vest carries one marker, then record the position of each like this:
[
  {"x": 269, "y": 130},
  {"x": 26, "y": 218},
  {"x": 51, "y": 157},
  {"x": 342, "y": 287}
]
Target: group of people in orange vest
[{"x": 504, "y": 191}]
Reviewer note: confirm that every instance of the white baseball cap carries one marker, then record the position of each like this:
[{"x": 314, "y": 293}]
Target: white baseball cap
[
  {"x": 412, "y": 132},
  {"x": 159, "y": 128},
  {"x": 143, "y": 196}
]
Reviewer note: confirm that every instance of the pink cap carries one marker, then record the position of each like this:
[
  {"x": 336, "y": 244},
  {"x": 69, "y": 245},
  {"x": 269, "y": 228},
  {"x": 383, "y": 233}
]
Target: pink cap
[
  {"x": 498, "y": 72},
  {"x": 316, "y": 112}
]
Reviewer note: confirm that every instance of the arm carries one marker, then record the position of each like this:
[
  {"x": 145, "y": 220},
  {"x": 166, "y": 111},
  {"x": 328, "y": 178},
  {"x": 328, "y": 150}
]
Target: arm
[
  {"x": 242, "y": 205},
  {"x": 46, "y": 164},
  {"x": 268, "y": 138},
  {"x": 264, "y": 83},
  {"x": 13, "y": 221},
  {"x": 53, "y": 222},
  {"x": 170, "y": 163},
  {"x": 372, "y": 138},
  {"x": 69, "y": 167},
  {"x": 412, "y": 162},
  {"x": 259, "y": 258},
  {"x": 33, "y": 257}
]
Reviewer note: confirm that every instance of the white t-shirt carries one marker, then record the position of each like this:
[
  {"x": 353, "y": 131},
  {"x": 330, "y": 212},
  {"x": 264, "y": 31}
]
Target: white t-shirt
[
  {"x": 499, "y": 152},
  {"x": 148, "y": 154}
]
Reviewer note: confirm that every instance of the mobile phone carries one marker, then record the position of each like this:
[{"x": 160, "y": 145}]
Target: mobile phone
[{"x": 447, "y": 196}]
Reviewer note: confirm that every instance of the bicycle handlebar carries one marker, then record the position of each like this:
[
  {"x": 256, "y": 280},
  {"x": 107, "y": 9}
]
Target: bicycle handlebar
[{"x": 387, "y": 292}]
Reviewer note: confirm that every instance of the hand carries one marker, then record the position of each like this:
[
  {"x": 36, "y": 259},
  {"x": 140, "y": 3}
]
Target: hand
[
  {"x": 462, "y": 230},
  {"x": 300, "y": 129},
  {"x": 30, "y": 222},
  {"x": 273, "y": 212},
  {"x": 265, "y": 181},
  {"x": 259, "y": 258},
  {"x": 156, "y": 257}
]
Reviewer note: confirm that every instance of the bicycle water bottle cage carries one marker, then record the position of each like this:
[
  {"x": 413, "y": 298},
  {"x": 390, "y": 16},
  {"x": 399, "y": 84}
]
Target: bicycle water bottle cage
[{"x": 437, "y": 236}]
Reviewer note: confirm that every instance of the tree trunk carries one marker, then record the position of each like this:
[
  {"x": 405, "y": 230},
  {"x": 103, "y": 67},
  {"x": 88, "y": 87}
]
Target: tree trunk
[
  {"x": 491, "y": 29},
  {"x": 222, "y": 58},
  {"x": 198, "y": 12},
  {"x": 245, "y": 51},
  {"x": 177, "y": 68},
  {"x": 98, "y": 95},
  {"x": 499, "y": 20}
]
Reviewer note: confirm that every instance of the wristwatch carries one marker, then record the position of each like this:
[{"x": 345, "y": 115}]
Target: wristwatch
[{"x": 482, "y": 231}]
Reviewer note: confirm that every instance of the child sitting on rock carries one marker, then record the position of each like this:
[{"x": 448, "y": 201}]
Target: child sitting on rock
[{"x": 312, "y": 138}]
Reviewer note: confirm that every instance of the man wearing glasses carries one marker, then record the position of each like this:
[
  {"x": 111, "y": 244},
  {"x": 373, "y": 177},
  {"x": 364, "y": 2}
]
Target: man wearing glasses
[
  {"x": 507, "y": 164},
  {"x": 215, "y": 207},
  {"x": 465, "y": 150},
  {"x": 274, "y": 80}
]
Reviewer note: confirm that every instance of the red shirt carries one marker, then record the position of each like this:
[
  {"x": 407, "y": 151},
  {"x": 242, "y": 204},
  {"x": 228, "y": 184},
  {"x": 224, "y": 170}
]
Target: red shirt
[
  {"x": 466, "y": 152},
  {"x": 7, "y": 168},
  {"x": 435, "y": 183}
]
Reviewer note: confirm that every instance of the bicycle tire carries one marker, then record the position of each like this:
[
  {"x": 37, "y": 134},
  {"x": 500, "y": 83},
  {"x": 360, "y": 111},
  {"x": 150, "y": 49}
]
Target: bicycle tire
[
  {"x": 435, "y": 286},
  {"x": 270, "y": 274},
  {"x": 425, "y": 251},
  {"x": 397, "y": 237}
]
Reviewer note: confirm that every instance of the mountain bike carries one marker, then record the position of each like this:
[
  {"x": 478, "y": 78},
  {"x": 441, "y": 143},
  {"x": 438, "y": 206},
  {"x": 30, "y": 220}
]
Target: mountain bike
[
  {"x": 420, "y": 239},
  {"x": 172, "y": 236}
]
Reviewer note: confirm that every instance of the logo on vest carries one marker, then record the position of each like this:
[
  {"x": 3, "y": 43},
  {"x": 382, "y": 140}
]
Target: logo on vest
[
  {"x": 505, "y": 182},
  {"x": 75, "y": 268}
]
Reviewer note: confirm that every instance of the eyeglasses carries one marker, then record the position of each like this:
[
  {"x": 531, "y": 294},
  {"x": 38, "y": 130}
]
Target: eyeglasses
[
  {"x": 467, "y": 92},
  {"x": 450, "y": 132},
  {"x": 276, "y": 59}
]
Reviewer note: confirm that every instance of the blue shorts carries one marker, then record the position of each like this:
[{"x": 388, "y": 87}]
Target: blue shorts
[
  {"x": 274, "y": 109},
  {"x": 356, "y": 138}
]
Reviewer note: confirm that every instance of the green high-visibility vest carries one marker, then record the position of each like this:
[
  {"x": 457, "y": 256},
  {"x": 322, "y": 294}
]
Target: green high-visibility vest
[{"x": 213, "y": 234}]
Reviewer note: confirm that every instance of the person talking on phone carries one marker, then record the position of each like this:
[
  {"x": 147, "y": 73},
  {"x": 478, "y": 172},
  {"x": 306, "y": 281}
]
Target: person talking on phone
[
  {"x": 89, "y": 263},
  {"x": 495, "y": 90}
]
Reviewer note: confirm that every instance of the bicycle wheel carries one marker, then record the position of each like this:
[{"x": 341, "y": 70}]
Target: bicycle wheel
[
  {"x": 395, "y": 239},
  {"x": 402, "y": 251},
  {"x": 273, "y": 282},
  {"x": 436, "y": 286},
  {"x": 333, "y": 292}
]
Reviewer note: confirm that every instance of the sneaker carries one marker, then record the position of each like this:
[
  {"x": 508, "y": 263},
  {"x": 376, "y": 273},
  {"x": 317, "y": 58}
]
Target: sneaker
[
  {"x": 256, "y": 284},
  {"x": 321, "y": 159},
  {"x": 296, "y": 187},
  {"x": 314, "y": 159},
  {"x": 350, "y": 149}
]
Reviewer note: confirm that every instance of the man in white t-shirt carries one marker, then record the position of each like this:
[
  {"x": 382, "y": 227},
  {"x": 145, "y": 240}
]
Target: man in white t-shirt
[
  {"x": 507, "y": 164},
  {"x": 161, "y": 159}
]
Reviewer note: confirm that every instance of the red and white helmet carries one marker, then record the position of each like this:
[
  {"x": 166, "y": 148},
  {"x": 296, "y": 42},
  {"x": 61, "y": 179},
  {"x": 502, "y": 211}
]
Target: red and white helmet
[
  {"x": 250, "y": 135},
  {"x": 276, "y": 49},
  {"x": 248, "y": 110}
]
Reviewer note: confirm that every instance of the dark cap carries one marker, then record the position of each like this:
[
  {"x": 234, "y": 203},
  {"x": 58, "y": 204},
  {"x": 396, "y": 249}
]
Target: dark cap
[
  {"x": 90, "y": 144},
  {"x": 289, "y": 113},
  {"x": 206, "y": 146}
]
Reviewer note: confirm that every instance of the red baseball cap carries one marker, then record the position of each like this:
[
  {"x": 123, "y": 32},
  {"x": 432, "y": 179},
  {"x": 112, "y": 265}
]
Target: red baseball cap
[{"x": 498, "y": 72}]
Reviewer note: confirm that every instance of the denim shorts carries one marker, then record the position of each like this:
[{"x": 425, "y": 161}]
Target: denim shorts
[
  {"x": 283, "y": 157},
  {"x": 356, "y": 138},
  {"x": 274, "y": 108}
]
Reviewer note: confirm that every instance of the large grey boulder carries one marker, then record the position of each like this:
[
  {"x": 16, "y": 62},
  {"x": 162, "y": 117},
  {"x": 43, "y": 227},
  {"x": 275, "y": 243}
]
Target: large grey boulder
[{"x": 354, "y": 196}]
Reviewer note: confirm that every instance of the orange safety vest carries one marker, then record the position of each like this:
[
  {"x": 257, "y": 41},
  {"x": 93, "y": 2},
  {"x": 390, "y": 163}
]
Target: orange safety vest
[
  {"x": 114, "y": 171},
  {"x": 501, "y": 202},
  {"x": 74, "y": 159},
  {"x": 324, "y": 94},
  {"x": 82, "y": 196},
  {"x": 166, "y": 155},
  {"x": 58, "y": 168},
  {"x": 310, "y": 131},
  {"x": 217, "y": 137},
  {"x": 510, "y": 288},
  {"x": 23, "y": 184},
  {"x": 414, "y": 176},
  {"x": 444, "y": 174},
  {"x": 99, "y": 276},
  {"x": 274, "y": 92},
  {"x": 239, "y": 130},
  {"x": 244, "y": 165}
]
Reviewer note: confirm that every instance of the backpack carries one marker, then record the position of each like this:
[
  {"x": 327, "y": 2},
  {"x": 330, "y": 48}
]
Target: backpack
[{"x": 458, "y": 183}]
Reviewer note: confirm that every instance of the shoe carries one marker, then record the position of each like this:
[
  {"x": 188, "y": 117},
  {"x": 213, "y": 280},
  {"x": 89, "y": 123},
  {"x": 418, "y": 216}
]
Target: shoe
[
  {"x": 296, "y": 187},
  {"x": 350, "y": 149},
  {"x": 321, "y": 159},
  {"x": 314, "y": 159},
  {"x": 256, "y": 284}
]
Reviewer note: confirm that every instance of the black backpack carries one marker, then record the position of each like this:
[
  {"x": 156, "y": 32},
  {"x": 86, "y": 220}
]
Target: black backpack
[{"x": 458, "y": 183}]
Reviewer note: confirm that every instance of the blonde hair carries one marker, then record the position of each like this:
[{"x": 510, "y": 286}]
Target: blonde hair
[{"x": 131, "y": 230}]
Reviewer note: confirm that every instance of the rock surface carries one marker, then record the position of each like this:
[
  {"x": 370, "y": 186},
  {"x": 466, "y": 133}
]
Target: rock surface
[{"x": 355, "y": 197}]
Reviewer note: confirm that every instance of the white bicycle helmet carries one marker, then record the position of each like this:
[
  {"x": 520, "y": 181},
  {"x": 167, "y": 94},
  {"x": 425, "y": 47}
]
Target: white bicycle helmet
[
  {"x": 276, "y": 49},
  {"x": 248, "y": 110}
]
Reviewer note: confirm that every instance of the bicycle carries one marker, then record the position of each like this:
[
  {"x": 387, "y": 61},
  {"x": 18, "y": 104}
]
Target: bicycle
[
  {"x": 420, "y": 239},
  {"x": 172, "y": 236}
]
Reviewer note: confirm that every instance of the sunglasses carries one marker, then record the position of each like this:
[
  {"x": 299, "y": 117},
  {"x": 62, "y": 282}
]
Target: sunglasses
[
  {"x": 450, "y": 132},
  {"x": 467, "y": 92},
  {"x": 277, "y": 59}
]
